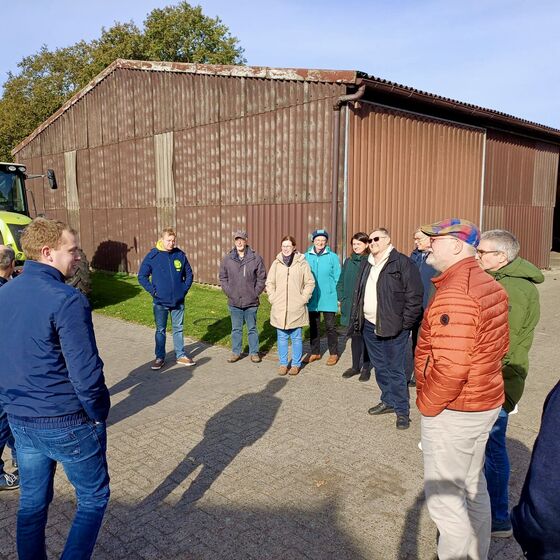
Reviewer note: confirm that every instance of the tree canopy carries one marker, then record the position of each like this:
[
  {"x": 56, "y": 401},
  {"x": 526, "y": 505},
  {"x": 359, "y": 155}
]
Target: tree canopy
[{"x": 46, "y": 79}]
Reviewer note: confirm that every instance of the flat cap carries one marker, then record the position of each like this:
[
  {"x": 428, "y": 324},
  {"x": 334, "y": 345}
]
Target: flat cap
[
  {"x": 240, "y": 235},
  {"x": 461, "y": 229}
]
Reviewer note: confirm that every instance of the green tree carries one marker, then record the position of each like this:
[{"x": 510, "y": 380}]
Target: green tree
[{"x": 180, "y": 33}]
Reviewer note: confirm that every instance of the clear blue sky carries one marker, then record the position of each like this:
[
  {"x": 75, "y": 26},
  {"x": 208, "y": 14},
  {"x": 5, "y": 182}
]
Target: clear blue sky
[{"x": 499, "y": 54}]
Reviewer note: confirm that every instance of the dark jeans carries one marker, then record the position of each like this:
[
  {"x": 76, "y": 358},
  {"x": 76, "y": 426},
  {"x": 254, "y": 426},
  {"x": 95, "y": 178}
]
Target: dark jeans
[
  {"x": 496, "y": 468},
  {"x": 177, "y": 315},
  {"x": 387, "y": 356},
  {"x": 360, "y": 356},
  {"x": 82, "y": 451},
  {"x": 330, "y": 325},
  {"x": 240, "y": 315},
  {"x": 6, "y": 438}
]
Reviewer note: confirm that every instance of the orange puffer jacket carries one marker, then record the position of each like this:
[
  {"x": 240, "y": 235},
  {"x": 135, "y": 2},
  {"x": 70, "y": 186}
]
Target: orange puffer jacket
[{"x": 464, "y": 336}]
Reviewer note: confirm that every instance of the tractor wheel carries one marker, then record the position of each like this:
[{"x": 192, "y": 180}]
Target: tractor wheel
[{"x": 82, "y": 279}]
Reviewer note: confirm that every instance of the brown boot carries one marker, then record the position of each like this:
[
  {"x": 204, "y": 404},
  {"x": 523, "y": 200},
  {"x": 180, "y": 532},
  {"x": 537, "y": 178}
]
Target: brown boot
[
  {"x": 282, "y": 370},
  {"x": 333, "y": 359},
  {"x": 311, "y": 358},
  {"x": 294, "y": 370}
]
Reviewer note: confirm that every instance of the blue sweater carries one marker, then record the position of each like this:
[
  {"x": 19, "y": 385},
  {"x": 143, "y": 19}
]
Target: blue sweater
[
  {"x": 536, "y": 519},
  {"x": 50, "y": 363},
  {"x": 166, "y": 276}
]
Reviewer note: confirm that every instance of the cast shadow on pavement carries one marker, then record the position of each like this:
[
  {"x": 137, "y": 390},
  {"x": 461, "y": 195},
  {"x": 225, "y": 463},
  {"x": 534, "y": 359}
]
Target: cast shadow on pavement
[
  {"x": 238, "y": 425},
  {"x": 148, "y": 387},
  {"x": 409, "y": 547}
]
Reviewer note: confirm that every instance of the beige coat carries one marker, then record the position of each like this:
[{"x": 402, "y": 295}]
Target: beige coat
[{"x": 289, "y": 289}]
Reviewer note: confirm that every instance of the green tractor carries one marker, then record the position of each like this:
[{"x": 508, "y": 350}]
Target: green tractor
[{"x": 14, "y": 216}]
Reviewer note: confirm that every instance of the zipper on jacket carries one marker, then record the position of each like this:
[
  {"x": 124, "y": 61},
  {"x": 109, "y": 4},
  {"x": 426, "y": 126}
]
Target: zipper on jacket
[
  {"x": 287, "y": 289},
  {"x": 426, "y": 367}
]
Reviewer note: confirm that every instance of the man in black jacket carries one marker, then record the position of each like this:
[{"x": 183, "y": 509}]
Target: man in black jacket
[
  {"x": 387, "y": 304},
  {"x": 242, "y": 277}
]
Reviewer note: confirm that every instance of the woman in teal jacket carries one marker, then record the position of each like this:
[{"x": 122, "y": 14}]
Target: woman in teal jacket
[
  {"x": 345, "y": 291},
  {"x": 325, "y": 267}
]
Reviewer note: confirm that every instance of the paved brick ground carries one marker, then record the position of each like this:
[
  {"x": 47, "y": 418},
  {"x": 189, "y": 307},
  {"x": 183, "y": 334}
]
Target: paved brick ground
[{"x": 231, "y": 461}]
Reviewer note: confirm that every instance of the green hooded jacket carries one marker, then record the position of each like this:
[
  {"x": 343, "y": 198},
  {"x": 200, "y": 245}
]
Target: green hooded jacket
[
  {"x": 518, "y": 279},
  {"x": 346, "y": 285}
]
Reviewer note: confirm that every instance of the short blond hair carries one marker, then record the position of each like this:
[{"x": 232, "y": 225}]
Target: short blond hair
[
  {"x": 168, "y": 231},
  {"x": 42, "y": 232}
]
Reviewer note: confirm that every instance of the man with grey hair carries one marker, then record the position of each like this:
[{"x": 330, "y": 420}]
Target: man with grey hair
[
  {"x": 498, "y": 255},
  {"x": 460, "y": 390},
  {"x": 7, "y": 481}
]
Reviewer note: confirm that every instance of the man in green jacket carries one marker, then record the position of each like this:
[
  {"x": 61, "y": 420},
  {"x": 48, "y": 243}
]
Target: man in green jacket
[{"x": 497, "y": 251}]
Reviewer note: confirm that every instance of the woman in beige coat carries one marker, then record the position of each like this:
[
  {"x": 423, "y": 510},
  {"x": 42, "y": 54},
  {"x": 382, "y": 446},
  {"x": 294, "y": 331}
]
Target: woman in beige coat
[{"x": 289, "y": 286}]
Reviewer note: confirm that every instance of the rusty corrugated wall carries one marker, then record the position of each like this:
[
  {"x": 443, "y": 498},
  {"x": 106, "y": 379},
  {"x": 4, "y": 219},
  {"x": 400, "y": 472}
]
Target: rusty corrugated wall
[
  {"x": 406, "y": 170},
  {"x": 207, "y": 154},
  {"x": 521, "y": 179}
]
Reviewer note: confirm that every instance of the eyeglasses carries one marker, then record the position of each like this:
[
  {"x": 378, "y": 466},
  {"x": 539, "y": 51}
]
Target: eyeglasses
[
  {"x": 481, "y": 253},
  {"x": 377, "y": 238}
]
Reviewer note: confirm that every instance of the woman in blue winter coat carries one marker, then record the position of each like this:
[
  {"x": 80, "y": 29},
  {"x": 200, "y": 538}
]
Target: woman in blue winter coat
[
  {"x": 345, "y": 290},
  {"x": 325, "y": 268}
]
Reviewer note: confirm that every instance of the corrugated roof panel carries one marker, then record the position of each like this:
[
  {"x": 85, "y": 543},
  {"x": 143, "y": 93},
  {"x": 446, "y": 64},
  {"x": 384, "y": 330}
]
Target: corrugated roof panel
[
  {"x": 143, "y": 105},
  {"x": 93, "y": 102},
  {"x": 125, "y": 105},
  {"x": 406, "y": 170}
]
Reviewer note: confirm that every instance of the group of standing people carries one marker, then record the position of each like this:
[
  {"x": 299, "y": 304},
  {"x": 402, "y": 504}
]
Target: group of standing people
[{"x": 475, "y": 328}]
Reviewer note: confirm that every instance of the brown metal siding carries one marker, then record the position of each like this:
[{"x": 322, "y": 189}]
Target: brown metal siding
[
  {"x": 521, "y": 177},
  {"x": 406, "y": 170}
]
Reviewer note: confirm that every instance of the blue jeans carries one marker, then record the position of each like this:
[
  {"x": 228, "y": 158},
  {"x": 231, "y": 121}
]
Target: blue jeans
[
  {"x": 6, "y": 438},
  {"x": 387, "y": 355},
  {"x": 240, "y": 315},
  {"x": 496, "y": 468},
  {"x": 160, "y": 315},
  {"x": 82, "y": 451},
  {"x": 283, "y": 336}
]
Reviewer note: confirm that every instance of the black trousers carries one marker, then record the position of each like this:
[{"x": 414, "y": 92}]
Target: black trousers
[
  {"x": 330, "y": 325},
  {"x": 360, "y": 356}
]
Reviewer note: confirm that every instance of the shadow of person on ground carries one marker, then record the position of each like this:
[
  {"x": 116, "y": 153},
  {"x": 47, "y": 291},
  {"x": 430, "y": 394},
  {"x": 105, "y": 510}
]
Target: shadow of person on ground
[
  {"x": 148, "y": 387},
  {"x": 240, "y": 424},
  {"x": 409, "y": 547}
]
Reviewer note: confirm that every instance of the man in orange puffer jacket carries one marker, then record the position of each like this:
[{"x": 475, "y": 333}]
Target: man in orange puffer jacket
[{"x": 460, "y": 389}]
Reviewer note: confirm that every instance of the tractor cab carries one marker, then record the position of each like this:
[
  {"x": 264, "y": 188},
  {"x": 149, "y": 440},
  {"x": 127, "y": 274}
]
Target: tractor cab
[{"x": 14, "y": 208}]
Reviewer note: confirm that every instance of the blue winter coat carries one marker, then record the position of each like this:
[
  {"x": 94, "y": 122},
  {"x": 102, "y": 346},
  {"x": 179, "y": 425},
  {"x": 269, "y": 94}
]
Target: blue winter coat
[
  {"x": 166, "y": 276},
  {"x": 535, "y": 520},
  {"x": 427, "y": 272},
  {"x": 50, "y": 363},
  {"x": 326, "y": 271}
]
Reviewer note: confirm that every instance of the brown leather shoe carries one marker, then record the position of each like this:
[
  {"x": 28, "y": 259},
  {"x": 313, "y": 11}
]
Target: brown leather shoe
[
  {"x": 256, "y": 359},
  {"x": 294, "y": 370},
  {"x": 234, "y": 358},
  {"x": 333, "y": 359},
  {"x": 282, "y": 370},
  {"x": 311, "y": 358}
]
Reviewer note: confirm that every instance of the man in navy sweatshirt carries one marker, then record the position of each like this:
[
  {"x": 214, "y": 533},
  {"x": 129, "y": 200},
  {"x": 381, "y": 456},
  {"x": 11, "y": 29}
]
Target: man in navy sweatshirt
[
  {"x": 165, "y": 273},
  {"x": 53, "y": 390}
]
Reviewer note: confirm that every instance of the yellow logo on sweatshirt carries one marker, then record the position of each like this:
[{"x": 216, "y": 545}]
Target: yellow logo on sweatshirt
[{"x": 177, "y": 264}]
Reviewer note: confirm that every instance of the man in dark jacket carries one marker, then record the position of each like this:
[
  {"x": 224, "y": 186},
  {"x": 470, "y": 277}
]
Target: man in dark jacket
[
  {"x": 242, "y": 277},
  {"x": 498, "y": 255},
  {"x": 165, "y": 273},
  {"x": 53, "y": 390},
  {"x": 8, "y": 481},
  {"x": 387, "y": 304},
  {"x": 535, "y": 520}
]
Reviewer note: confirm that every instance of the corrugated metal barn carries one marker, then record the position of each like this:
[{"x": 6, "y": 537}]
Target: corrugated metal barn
[{"x": 213, "y": 149}]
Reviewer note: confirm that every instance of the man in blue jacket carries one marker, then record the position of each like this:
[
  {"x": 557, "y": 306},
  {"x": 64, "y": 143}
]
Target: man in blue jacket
[
  {"x": 165, "y": 273},
  {"x": 53, "y": 390}
]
